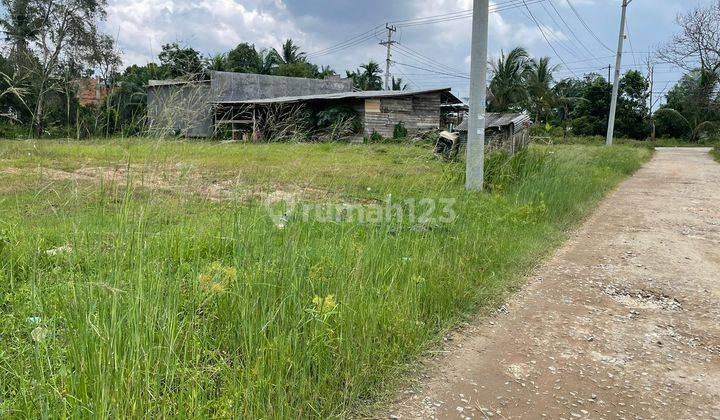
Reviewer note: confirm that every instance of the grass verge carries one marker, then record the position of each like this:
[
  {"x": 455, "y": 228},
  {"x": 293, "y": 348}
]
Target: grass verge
[
  {"x": 660, "y": 142},
  {"x": 120, "y": 300}
]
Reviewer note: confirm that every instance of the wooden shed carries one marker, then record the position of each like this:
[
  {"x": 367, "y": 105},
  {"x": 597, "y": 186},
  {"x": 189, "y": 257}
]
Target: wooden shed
[{"x": 379, "y": 111}]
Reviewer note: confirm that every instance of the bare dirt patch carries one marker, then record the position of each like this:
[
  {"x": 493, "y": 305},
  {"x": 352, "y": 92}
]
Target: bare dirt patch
[{"x": 177, "y": 179}]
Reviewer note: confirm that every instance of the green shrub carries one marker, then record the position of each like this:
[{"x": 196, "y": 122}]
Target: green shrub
[
  {"x": 400, "y": 132},
  {"x": 338, "y": 115},
  {"x": 13, "y": 131},
  {"x": 376, "y": 137}
]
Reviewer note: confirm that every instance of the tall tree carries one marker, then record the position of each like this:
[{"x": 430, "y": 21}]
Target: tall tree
[
  {"x": 566, "y": 94},
  {"x": 20, "y": 25},
  {"x": 290, "y": 53},
  {"x": 539, "y": 80},
  {"x": 698, "y": 42},
  {"x": 367, "y": 77},
  {"x": 244, "y": 58},
  {"x": 398, "y": 84},
  {"x": 217, "y": 62},
  {"x": 507, "y": 86},
  {"x": 688, "y": 112},
  {"x": 590, "y": 115},
  {"x": 632, "y": 116},
  {"x": 181, "y": 61},
  {"x": 67, "y": 33}
]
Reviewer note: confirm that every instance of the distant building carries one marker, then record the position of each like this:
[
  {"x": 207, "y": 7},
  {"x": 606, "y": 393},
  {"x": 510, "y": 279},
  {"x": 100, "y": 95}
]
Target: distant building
[
  {"x": 91, "y": 91},
  {"x": 187, "y": 108},
  {"x": 238, "y": 100},
  {"x": 379, "y": 111}
]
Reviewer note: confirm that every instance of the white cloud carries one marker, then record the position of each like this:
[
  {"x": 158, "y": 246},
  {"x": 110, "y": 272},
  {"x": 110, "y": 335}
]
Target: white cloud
[{"x": 210, "y": 26}]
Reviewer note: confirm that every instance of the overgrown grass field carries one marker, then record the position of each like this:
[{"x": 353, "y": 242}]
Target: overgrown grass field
[{"x": 145, "y": 278}]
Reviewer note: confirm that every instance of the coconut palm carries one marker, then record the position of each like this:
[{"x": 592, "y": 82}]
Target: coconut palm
[
  {"x": 20, "y": 26},
  {"x": 564, "y": 96},
  {"x": 696, "y": 125},
  {"x": 507, "y": 87},
  {"x": 398, "y": 84},
  {"x": 217, "y": 62},
  {"x": 289, "y": 53},
  {"x": 539, "y": 80},
  {"x": 367, "y": 77},
  {"x": 371, "y": 75}
]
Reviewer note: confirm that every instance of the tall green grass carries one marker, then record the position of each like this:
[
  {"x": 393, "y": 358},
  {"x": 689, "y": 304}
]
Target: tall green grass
[{"x": 165, "y": 305}]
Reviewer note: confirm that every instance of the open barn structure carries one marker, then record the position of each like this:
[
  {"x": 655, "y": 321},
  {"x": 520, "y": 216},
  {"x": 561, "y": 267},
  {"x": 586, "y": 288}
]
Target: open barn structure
[
  {"x": 378, "y": 111},
  {"x": 239, "y": 103}
]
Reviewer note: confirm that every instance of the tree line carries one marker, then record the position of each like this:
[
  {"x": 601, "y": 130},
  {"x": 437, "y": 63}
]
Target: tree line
[
  {"x": 50, "y": 44},
  {"x": 580, "y": 106}
]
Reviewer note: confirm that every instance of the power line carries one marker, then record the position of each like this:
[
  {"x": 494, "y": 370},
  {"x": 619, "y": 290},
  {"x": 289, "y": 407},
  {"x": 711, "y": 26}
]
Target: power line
[
  {"x": 580, "y": 18},
  {"x": 632, "y": 51},
  {"x": 574, "y": 35},
  {"x": 348, "y": 43},
  {"x": 372, "y": 33},
  {"x": 432, "y": 71},
  {"x": 545, "y": 37},
  {"x": 408, "y": 78},
  {"x": 462, "y": 14},
  {"x": 429, "y": 60},
  {"x": 569, "y": 41}
]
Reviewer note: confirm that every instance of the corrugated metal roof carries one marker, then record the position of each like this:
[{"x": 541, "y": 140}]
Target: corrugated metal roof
[
  {"x": 344, "y": 95},
  {"x": 499, "y": 119}
]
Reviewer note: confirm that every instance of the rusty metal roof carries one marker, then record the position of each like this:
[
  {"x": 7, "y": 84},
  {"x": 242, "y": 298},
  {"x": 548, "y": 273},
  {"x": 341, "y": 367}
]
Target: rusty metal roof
[{"x": 376, "y": 94}]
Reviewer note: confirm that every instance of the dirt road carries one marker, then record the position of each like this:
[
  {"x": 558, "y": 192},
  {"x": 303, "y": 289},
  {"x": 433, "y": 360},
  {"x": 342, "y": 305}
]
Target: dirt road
[{"x": 622, "y": 322}]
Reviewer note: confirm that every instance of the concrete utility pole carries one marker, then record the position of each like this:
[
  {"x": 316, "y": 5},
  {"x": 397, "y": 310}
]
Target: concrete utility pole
[
  {"x": 475, "y": 159},
  {"x": 389, "y": 43},
  {"x": 652, "y": 117},
  {"x": 616, "y": 84}
]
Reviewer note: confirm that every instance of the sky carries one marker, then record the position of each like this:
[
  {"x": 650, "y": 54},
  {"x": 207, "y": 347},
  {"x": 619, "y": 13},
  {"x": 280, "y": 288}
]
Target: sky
[{"x": 433, "y": 35}]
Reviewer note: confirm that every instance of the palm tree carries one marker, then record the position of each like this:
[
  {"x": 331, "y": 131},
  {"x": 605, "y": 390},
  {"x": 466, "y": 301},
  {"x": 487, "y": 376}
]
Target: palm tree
[
  {"x": 397, "y": 84},
  {"x": 21, "y": 27},
  {"x": 562, "y": 97},
  {"x": 696, "y": 125},
  {"x": 267, "y": 61},
  {"x": 539, "y": 79},
  {"x": 289, "y": 53},
  {"x": 371, "y": 75},
  {"x": 507, "y": 86},
  {"x": 326, "y": 71},
  {"x": 367, "y": 77},
  {"x": 217, "y": 62}
]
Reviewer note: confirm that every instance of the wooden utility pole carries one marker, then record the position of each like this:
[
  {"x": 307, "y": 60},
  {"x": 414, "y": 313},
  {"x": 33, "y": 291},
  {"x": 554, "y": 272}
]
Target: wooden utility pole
[
  {"x": 389, "y": 43},
  {"x": 616, "y": 84},
  {"x": 475, "y": 150}
]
